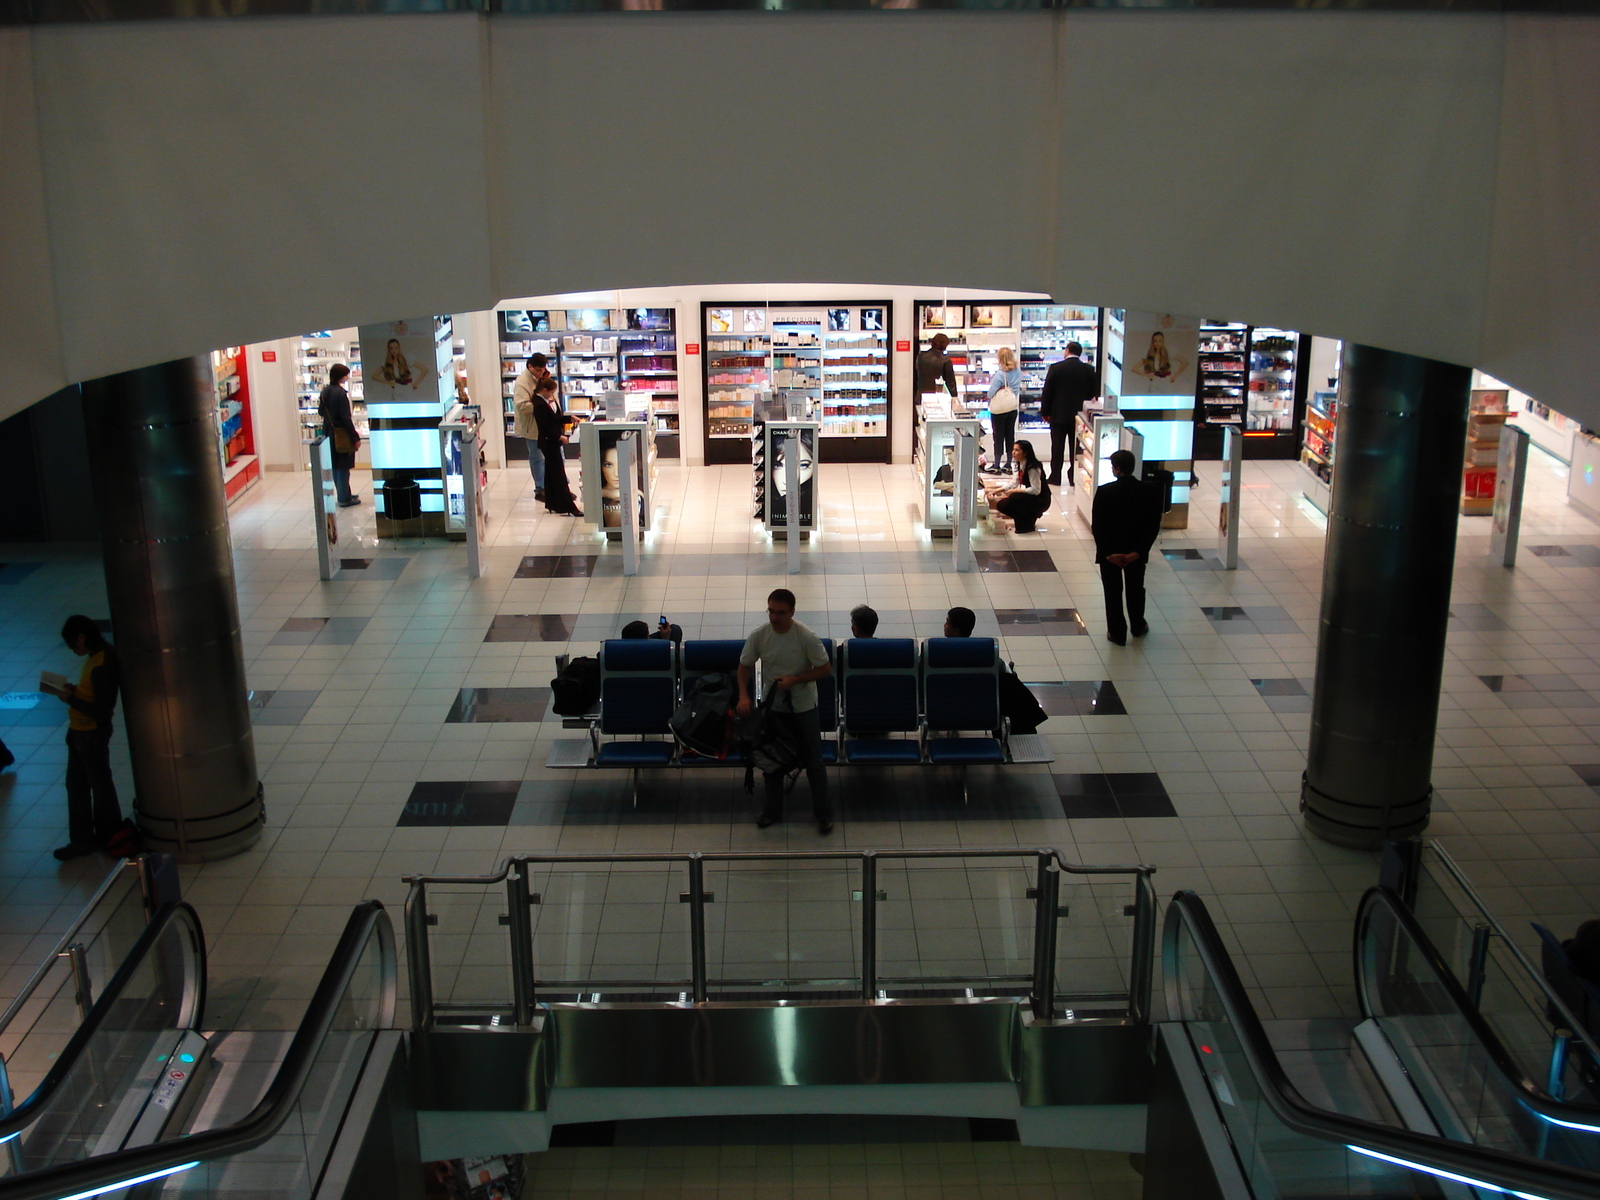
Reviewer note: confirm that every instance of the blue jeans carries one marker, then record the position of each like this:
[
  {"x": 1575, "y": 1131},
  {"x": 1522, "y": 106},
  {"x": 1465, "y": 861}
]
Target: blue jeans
[
  {"x": 535, "y": 463},
  {"x": 341, "y": 484}
]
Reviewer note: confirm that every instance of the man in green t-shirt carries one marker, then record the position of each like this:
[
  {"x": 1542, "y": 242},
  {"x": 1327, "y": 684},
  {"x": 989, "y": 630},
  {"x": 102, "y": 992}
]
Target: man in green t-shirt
[{"x": 792, "y": 659}]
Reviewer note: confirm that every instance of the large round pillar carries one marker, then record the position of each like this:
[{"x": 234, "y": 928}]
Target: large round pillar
[
  {"x": 1386, "y": 573},
  {"x": 174, "y": 612}
]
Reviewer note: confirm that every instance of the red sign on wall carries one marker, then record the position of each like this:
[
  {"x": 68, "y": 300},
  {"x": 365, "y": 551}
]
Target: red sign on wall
[
  {"x": 903, "y": 347},
  {"x": 691, "y": 347},
  {"x": 269, "y": 356}
]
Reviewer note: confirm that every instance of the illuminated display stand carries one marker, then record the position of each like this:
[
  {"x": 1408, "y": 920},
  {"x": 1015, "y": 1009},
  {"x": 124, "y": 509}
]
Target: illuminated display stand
[
  {"x": 778, "y": 439},
  {"x": 409, "y": 384},
  {"x": 602, "y": 488},
  {"x": 834, "y": 353},
  {"x": 1149, "y": 377},
  {"x": 936, "y": 483}
]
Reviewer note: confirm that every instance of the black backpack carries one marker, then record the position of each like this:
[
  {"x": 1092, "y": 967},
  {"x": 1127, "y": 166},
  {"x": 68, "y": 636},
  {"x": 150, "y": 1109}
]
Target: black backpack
[
  {"x": 1018, "y": 703},
  {"x": 768, "y": 745},
  {"x": 576, "y": 691},
  {"x": 703, "y": 723}
]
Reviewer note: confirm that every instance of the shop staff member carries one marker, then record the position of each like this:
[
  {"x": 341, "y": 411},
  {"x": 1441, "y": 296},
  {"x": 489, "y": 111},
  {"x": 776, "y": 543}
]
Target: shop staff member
[
  {"x": 792, "y": 659},
  {"x": 93, "y": 811},
  {"x": 1125, "y": 521},
  {"x": 523, "y": 425},
  {"x": 934, "y": 367},
  {"x": 334, "y": 408},
  {"x": 1068, "y": 385}
]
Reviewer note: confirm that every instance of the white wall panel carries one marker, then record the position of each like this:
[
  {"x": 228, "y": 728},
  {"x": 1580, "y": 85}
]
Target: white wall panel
[
  {"x": 184, "y": 215},
  {"x": 1422, "y": 182}
]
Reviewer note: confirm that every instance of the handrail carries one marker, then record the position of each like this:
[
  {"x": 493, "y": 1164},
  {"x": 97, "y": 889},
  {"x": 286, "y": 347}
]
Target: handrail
[
  {"x": 1552, "y": 997},
  {"x": 122, "y": 1167},
  {"x": 1532, "y": 1094},
  {"x": 64, "y": 941},
  {"x": 1471, "y": 1164},
  {"x": 514, "y": 874},
  {"x": 176, "y": 912}
]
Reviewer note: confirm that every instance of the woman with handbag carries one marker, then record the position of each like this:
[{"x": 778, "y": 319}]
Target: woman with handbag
[
  {"x": 1005, "y": 390},
  {"x": 340, "y": 425}
]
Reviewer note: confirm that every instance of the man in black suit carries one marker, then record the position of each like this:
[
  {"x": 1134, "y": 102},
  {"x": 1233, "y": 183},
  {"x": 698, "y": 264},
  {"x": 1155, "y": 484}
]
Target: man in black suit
[
  {"x": 1126, "y": 519},
  {"x": 1068, "y": 385}
]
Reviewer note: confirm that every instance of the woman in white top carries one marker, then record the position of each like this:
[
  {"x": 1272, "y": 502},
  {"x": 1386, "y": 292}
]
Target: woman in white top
[
  {"x": 1005, "y": 393},
  {"x": 1026, "y": 497}
]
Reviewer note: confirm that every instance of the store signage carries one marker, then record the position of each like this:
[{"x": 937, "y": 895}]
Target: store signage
[
  {"x": 269, "y": 356},
  {"x": 903, "y": 347},
  {"x": 691, "y": 347}
]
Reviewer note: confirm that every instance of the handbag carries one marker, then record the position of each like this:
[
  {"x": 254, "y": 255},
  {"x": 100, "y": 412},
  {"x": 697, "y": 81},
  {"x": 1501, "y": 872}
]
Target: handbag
[
  {"x": 343, "y": 443},
  {"x": 1004, "y": 401}
]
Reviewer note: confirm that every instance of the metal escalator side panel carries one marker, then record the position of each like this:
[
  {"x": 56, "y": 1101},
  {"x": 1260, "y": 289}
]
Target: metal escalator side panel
[{"x": 1188, "y": 1153}]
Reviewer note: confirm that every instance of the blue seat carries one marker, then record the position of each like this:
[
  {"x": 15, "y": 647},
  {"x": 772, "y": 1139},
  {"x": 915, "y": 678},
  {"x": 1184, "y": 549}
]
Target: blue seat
[
  {"x": 961, "y": 691},
  {"x": 638, "y": 692},
  {"x": 879, "y": 689},
  {"x": 710, "y": 655}
]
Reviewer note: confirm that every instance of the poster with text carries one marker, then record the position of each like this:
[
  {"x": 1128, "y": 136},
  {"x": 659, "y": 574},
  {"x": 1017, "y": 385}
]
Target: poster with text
[
  {"x": 611, "y": 476},
  {"x": 1160, "y": 353},
  {"x": 786, "y": 442}
]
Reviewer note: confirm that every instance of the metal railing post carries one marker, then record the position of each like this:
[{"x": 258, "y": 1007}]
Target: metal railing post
[
  {"x": 1044, "y": 945},
  {"x": 1555, "y": 1085},
  {"x": 869, "y": 925},
  {"x": 419, "y": 967},
  {"x": 1141, "y": 974},
  {"x": 697, "y": 926},
  {"x": 1478, "y": 963},
  {"x": 520, "y": 923},
  {"x": 77, "y": 957}
]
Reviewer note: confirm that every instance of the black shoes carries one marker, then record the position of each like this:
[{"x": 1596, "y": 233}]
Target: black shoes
[
  {"x": 6, "y": 757},
  {"x": 1140, "y": 630},
  {"x": 766, "y": 819},
  {"x": 350, "y": 503},
  {"x": 824, "y": 825},
  {"x": 538, "y": 493},
  {"x": 74, "y": 850},
  {"x": 1115, "y": 640},
  {"x": 1054, "y": 481}
]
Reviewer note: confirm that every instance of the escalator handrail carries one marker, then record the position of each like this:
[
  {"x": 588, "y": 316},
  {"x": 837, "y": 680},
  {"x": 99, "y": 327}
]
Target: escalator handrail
[
  {"x": 123, "y": 1167},
  {"x": 1461, "y": 1160},
  {"x": 1531, "y": 1094},
  {"x": 191, "y": 1015}
]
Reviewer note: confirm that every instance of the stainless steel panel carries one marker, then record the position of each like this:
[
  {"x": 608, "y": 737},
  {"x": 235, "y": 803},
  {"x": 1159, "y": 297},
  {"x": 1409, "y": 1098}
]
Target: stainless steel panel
[
  {"x": 169, "y": 578},
  {"x": 1083, "y": 1063},
  {"x": 1385, "y": 596},
  {"x": 480, "y": 1070},
  {"x": 765, "y": 1045}
]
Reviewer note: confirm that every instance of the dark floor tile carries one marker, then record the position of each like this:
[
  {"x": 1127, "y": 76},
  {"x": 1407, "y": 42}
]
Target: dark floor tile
[
  {"x": 1134, "y": 807},
  {"x": 1589, "y": 773},
  {"x": 1016, "y": 616},
  {"x": 457, "y": 803},
  {"x": 354, "y": 564},
  {"x": 1082, "y": 784},
  {"x": 557, "y": 566},
  {"x": 1082, "y": 807},
  {"x": 1136, "y": 783},
  {"x": 498, "y": 706},
  {"x": 532, "y": 627},
  {"x": 13, "y": 573},
  {"x": 303, "y": 625},
  {"x": 1032, "y": 562},
  {"x": 1080, "y": 698},
  {"x": 1288, "y": 704},
  {"x": 1548, "y": 551},
  {"x": 1224, "y": 613},
  {"x": 1279, "y": 687},
  {"x": 1187, "y": 554},
  {"x": 1552, "y": 681},
  {"x": 995, "y": 562}
]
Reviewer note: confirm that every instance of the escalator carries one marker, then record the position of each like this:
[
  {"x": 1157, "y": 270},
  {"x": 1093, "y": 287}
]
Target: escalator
[
  {"x": 142, "y": 1099},
  {"x": 1417, "y": 1098}
]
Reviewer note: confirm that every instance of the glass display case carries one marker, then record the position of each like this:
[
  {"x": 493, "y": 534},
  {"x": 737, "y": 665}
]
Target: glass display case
[
  {"x": 602, "y": 483},
  {"x": 780, "y": 438},
  {"x": 1097, "y": 436},
  {"x": 934, "y": 466},
  {"x": 835, "y": 354}
]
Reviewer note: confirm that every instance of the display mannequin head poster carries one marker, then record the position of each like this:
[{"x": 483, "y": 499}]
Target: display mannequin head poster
[
  {"x": 784, "y": 443},
  {"x": 397, "y": 359},
  {"x": 1159, "y": 355},
  {"x": 611, "y": 476}
]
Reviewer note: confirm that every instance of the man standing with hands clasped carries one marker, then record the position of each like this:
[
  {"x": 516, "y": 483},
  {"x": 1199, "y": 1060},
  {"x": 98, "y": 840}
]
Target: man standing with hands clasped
[
  {"x": 1125, "y": 520},
  {"x": 792, "y": 659}
]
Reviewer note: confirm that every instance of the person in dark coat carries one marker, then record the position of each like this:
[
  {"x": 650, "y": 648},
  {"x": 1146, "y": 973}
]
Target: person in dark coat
[
  {"x": 1125, "y": 520},
  {"x": 1068, "y": 386},
  {"x": 340, "y": 424},
  {"x": 552, "y": 427},
  {"x": 933, "y": 368}
]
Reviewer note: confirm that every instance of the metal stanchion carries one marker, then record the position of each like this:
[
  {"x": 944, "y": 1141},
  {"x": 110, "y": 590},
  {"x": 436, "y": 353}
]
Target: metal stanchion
[
  {"x": 1232, "y": 498},
  {"x": 697, "y": 927},
  {"x": 966, "y": 471},
  {"x": 518, "y": 903},
  {"x": 791, "y": 505},
  {"x": 1511, "y": 472},
  {"x": 323, "y": 506},
  {"x": 869, "y": 925},
  {"x": 1047, "y": 898},
  {"x": 472, "y": 497},
  {"x": 628, "y": 485}
]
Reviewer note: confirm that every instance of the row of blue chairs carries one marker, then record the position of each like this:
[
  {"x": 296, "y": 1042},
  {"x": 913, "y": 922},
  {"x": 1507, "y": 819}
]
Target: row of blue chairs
[{"x": 890, "y": 701}]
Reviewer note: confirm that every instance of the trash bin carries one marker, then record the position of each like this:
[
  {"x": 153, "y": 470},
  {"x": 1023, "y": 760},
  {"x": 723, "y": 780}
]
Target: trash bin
[{"x": 402, "y": 500}]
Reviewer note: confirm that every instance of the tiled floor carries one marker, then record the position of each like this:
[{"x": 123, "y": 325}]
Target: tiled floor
[{"x": 382, "y": 754}]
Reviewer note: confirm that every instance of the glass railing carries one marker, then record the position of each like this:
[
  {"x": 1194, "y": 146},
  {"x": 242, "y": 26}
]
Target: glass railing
[
  {"x": 1075, "y": 941},
  {"x": 281, "y": 1145},
  {"x": 1288, "y": 1148},
  {"x": 1503, "y": 983},
  {"x": 120, "y": 1048},
  {"x": 1470, "y": 1083},
  {"x": 51, "y": 1003}
]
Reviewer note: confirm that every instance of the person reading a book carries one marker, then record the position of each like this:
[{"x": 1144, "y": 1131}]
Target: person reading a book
[{"x": 94, "y": 814}]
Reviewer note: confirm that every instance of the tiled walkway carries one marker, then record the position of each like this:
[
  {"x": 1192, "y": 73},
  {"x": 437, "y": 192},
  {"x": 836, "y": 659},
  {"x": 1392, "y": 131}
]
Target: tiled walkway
[{"x": 401, "y": 697}]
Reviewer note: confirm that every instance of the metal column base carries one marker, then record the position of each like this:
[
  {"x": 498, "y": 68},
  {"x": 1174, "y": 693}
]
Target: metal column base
[
  {"x": 1362, "y": 826},
  {"x": 205, "y": 838}
]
